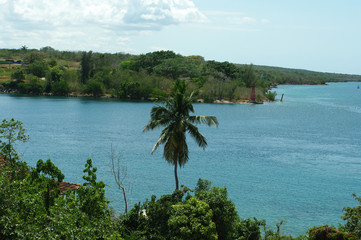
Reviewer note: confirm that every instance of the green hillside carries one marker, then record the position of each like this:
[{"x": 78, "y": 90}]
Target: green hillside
[
  {"x": 299, "y": 76},
  {"x": 146, "y": 76}
]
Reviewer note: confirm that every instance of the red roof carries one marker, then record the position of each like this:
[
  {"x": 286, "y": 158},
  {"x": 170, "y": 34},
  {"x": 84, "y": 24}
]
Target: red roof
[{"x": 63, "y": 186}]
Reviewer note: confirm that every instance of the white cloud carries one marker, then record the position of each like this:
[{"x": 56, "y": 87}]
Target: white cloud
[
  {"x": 89, "y": 21},
  {"x": 162, "y": 12},
  {"x": 242, "y": 20},
  {"x": 103, "y": 12},
  {"x": 234, "y": 18},
  {"x": 234, "y": 21}
]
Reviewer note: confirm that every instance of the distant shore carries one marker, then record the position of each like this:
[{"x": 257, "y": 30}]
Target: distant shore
[{"x": 109, "y": 96}]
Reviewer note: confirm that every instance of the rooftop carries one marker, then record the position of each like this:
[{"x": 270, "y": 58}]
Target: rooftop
[{"x": 63, "y": 186}]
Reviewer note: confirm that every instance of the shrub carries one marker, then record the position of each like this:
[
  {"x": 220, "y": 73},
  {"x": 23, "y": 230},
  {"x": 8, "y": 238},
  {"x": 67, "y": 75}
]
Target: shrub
[
  {"x": 35, "y": 86},
  {"x": 52, "y": 63},
  {"x": 249, "y": 229},
  {"x": 241, "y": 93},
  {"x": 352, "y": 216},
  {"x": 18, "y": 75},
  {"x": 60, "y": 88},
  {"x": 23, "y": 88},
  {"x": 271, "y": 95},
  {"x": 94, "y": 88},
  {"x": 224, "y": 212},
  {"x": 151, "y": 219},
  {"x": 54, "y": 75},
  {"x": 38, "y": 68},
  {"x": 31, "y": 207},
  {"x": 329, "y": 233},
  {"x": 192, "y": 220}
]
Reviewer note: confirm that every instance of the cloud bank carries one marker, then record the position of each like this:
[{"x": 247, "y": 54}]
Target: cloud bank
[{"x": 88, "y": 23}]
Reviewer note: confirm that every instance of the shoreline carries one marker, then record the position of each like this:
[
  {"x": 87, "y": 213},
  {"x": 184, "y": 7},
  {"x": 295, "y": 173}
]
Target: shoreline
[
  {"x": 217, "y": 101},
  {"x": 109, "y": 96}
]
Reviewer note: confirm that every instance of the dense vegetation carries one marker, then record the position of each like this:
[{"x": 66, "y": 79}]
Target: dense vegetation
[{"x": 145, "y": 76}]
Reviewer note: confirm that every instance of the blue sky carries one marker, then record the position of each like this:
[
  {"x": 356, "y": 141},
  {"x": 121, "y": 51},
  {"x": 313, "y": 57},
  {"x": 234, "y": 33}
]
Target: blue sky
[{"x": 315, "y": 35}]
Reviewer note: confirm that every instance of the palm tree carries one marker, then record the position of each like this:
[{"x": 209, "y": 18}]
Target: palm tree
[{"x": 174, "y": 116}]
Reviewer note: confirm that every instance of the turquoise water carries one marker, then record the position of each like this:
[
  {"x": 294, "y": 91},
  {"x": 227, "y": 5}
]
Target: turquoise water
[{"x": 297, "y": 160}]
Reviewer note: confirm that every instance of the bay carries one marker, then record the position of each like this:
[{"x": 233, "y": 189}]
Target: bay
[{"x": 297, "y": 160}]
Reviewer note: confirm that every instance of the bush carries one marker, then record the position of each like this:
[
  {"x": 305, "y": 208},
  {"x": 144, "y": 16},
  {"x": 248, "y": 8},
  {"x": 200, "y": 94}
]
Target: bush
[
  {"x": 271, "y": 95},
  {"x": 241, "y": 93},
  {"x": 60, "y": 88},
  {"x": 158, "y": 94},
  {"x": 52, "y": 63},
  {"x": 94, "y": 88},
  {"x": 192, "y": 220},
  {"x": 31, "y": 207},
  {"x": 249, "y": 229},
  {"x": 18, "y": 75},
  {"x": 23, "y": 88},
  {"x": 35, "y": 86},
  {"x": 150, "y": 220},
  {"x": 329, "y": 233},
  {"x": 38, "y": 68},
  {"x": 352, "y": 216},
  {"x": 224, "y": 212},
  {"x": 54, "y": 75}
]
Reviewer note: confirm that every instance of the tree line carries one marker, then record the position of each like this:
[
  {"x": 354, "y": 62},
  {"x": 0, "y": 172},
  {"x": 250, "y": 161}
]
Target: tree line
[{"x": 143, "y": 77}]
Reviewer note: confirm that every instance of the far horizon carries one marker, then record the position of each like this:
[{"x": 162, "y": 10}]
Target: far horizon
[
  {"x": 320, "y": 36},
  {"x": 280, "y": 67}
]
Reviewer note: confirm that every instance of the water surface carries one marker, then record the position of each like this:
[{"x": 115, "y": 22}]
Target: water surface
[{"x": 297, "y": 160}]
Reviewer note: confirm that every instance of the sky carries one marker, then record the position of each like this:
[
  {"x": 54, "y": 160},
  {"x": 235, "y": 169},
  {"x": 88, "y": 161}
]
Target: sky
[{"x": 318, "y": 35}]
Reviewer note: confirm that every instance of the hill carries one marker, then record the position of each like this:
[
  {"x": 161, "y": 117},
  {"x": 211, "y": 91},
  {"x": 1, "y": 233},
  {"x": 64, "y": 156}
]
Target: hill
[
  {"x": 146, "y": 76},
  {"x": 300, "y": 76}
]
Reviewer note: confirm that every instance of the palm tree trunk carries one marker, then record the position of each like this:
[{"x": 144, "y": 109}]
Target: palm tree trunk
[{"x": 176, "y": 176}]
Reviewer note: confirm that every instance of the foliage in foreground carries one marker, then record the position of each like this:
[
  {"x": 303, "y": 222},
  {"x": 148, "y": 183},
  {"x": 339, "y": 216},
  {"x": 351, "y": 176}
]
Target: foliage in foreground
[
  {"x": 352, "y": 216},
  {"x": 11, "y": 132},
  {"x": 31, "y": 207},
  {"x": 329, "y": 233},
  {"x": 203, "y": 213}
]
